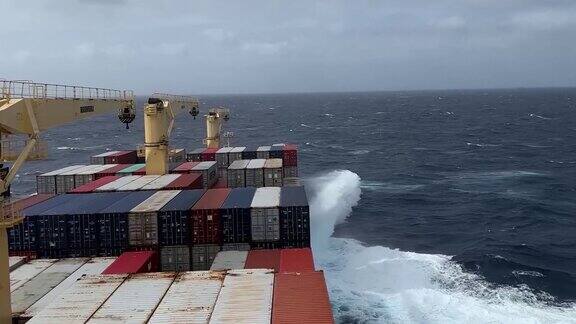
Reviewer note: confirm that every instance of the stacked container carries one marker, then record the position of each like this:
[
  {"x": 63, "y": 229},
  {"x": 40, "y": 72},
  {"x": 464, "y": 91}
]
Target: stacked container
[
  {"x": 22, "y": 237},
  {"x": 174, "y": 230},
  {"x": 222, "y": 160},
  {"x": 229, "y": 260},
  {"x": 111, "y": 171},
  {"x": 277, "y": 151},
  {"x": 185, "y": 167},
  {"x": 265, "y": 215},
  {"x": 133, "y": 262},
  {"x": 88, "y": 175},
  {"x": 186, "y": 181},
  {"x": 273, "y": 173},
  {"x": 161, "y": 182},
  {"x": 177, "y": 155},
  {"x": 118, "y": 183},
  {"x": 137, "y": 184},
  {"x": 195, "y": 155},
  {"x": 235, "y": 216},
  {"x": 203, "y": 255},
  {"x": 237, "y": 173},
  {"x": 91, "y": 186},
  {"x": 130, "y": 170},
  {"x": 263, "y": 259},
  {"x": 205, "y": 222},
  {"x": 235, "y": 154},
  {"x": 101, "y": 158},
  {"x": 121, "y": 157},
  {"x": 66, "y": 181},
  {"x": 294, "y": 217},
  {"x": 249, "y": 153},
  {"x": 143, "y": 219},
  {"x": 46, "y": 183},
  {"x": 290, "y": 161},
  {"x": 209, "y": 154},
  {"x": 208, "y": 171},
  {"x": 255, "y": 173},
  {"x": 263, "y": 152}
]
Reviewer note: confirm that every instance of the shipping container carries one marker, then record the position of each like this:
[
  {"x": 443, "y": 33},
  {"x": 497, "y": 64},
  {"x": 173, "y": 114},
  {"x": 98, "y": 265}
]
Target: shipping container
[
  {"x": 209, "y": 173},
  {"x": 221, "y": 183},
  {"x": 235, "y": 216},
  {"x": 190, "y": 299},
  {"x": 161, "y": 182},
  {"x": 19, "y": 236},
  {"x": 290, "y": 155},
  {"x": 80, "y": 301},
  {"x": 118, "y": 183},
  {"x": 32, "y": 290},
  {"x": 235, "y": 154},
  {"x": 175, "y": 258},
  {"x": 140, "y": 172},
  {"x": 100, "y": 158},
  {"x": 263, "y": 152},
  {"x": 291, "y": 182},
  {"x": 91, "y": 186},
  {"x": 296, "y": 260},
  {"x": 185, "y": 167},
  {"x": 205, "y": 221},
  {"x": 46, "y": 183},
  {"x": 277, "y": 151},
  {"x": 245, "y": 297},
  {"x": 273, "y": 173},
  {"x": 209, "y": 154},
  {"x": 133, "y": 262},
  {"x": 249, "y": 153},
  {"x": 289, "y": 172},
  {"x": 143, "y": 219},
  {"x": 237, "y": 174},
  {"x": 203, "y": 255},
  {"x": 195, "y": 155},
  {"x": 236, "y": 247},
  {"x": 177, "y": 155},
  {"x": 86, "y": 176},
  {"x": 294, "y": 217},
  {"x": 227, "y": 260},
  {"x": 16, "y": 261},
  {"x": 263, "y": 259},
  {"x": 65, "y": 181},
  {"x": 112, "y": 170},
  {"x": 301, "y": 298},
  {"x": 267, "y": 245},
  {"x": 138, "y": 183},
  {"x": 186, "y": 182},
  {"x": 113, "y": 223},
  {"x": 255, "y": 173},
  {"x": 122, "y": 157},
  {"x": 174, "y": 218},
  {"x": 265, "y": 214},
  {"x": 222, "y": 157},
  {"x": 131, "y": 169},
  {"x": 27, "y": 271},
  {"x": 92, "y": 267}
]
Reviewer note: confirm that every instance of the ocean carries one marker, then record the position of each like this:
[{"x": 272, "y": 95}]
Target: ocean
[{"x": 427, "y": 207}]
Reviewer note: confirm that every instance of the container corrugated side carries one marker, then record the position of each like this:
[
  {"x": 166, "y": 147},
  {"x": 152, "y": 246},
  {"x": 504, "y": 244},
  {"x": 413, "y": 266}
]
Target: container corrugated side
[
  {"x": 265, "y": 215},
  {"x": 133, "y": 262},
  {"x": 263, "y": 259},
  {"x": 89, "y": 175},
  {"x": 245, "y": 297},
  {"x": 135, "y": 300},
  {"x": 190, "y": 299},
  {"x": 91, "y": 186},
  {"x": 296, "y": 260},
  {"x": 301, "y": 298},
  {"x": 263, "y": 152},
  {"x": 28, "y": 271},
  {"x": 46, "y": 183},
  {"x": 138, "y": 183},
  {"x": 161, "y": 182},
  {"x": 143, "y": 219},
  {"x": 114, "y": 185},
  {"x": 175, "y": 258},
  {"x": 226, "y": 260},
  {"x": 92, "y": 267},
  {"x": 266, "y": 198},
  {"x": 31, "y": 291},
  {"x": 80, "y": 301}
]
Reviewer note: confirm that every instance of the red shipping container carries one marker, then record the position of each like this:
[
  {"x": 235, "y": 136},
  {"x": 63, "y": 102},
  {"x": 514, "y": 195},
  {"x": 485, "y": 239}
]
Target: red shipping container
[
  {"x": 301, "y": 298},
  {"x": 221, "y": 183},
  {"x": 91, "y": 186},
  {"x": 185, "y": 167},
  {"x": 263, "y": 259},
  {"x": 206, "y": 217},
  {"x": 111, "y": 171},
  {"x": 141, "y": 171},
  {"x": 296, "y": 260},
  {"x": 134, "y": 262},
  {"x": 290, "y": 155},
  {"x": 186, "y": 181},
  {"x": 209, "y": 154},
  {"x": 123, "y": 157}
]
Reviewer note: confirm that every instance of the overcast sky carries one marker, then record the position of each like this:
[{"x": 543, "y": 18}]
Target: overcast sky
[{"x": 243, "y": 46}]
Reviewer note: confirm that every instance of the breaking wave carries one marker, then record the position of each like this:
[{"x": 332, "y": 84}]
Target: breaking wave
[{"x": 378, "y": 284}]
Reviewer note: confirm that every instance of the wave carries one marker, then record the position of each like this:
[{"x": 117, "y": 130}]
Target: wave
[
  {"x": 379, "y": 284},
  {"x": 538, "y": 116},
  {"x": 388, "y": 187}
]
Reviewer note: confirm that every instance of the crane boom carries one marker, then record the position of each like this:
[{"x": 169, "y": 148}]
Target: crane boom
[{"x": 29, "y": 108}]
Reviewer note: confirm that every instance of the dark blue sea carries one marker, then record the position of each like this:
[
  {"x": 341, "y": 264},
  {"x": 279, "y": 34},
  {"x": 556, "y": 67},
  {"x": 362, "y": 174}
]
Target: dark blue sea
[{"x": 428, "y": 207}]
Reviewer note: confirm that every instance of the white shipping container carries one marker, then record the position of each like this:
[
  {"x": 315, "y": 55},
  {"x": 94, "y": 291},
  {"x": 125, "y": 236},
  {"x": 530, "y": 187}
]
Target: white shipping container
[
  {"x": 100, "y": 158},
  {"x": 265, "y": 215},
  {"x": 28, "y": 271},
  {"x": 118, "y": 183},
  {"x": 78, "y": 303},
  {"x": 245, "y": 297},
  {"x": 209, "y": 173},
  {"x": 177, "y": 155},
  {"x": 135, "y": 300},
  {"x": 46, "y": 183},
  {"x": 65, "y": 181},
  {"x": 89, "y": 175},
  {"x": 161, "y": 182},
  {"x": 92, "y": 267},
  {"x": 236, "y": 174},
  {"x": 267, "y": 197},
  {"x": 138, "y": 183},
  {"x": 156, "y": 201},
  {"x": 31, "y": 291},
  {"x": 190, "y": 299},
  {"x": 143, "y": 219},
  {"x": 255, "y": 173},
  {"x": 263, "y": 152},
  {"x": 15, "y": 261},
  {"x": 227, "y": 260},
  {"x": 273, "y": 173}
]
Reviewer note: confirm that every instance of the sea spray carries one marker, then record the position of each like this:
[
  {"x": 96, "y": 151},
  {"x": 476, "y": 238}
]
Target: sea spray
[{"x": 382, "y": 285}]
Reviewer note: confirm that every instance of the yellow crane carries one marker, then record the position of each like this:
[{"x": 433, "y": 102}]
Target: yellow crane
[
  {"x": 28, "y": 108},
  {"x": 214, "y": 120}
]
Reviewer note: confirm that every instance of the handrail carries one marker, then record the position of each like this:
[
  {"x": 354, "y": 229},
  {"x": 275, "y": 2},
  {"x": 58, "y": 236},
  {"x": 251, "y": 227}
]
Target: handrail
[
  {"x": 28, "y": 89},
  {"x": 180, "y": 98}
]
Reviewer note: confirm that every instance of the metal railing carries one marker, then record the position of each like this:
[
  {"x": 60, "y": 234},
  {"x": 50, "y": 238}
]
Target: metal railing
[{"x": 27, "y": 89}]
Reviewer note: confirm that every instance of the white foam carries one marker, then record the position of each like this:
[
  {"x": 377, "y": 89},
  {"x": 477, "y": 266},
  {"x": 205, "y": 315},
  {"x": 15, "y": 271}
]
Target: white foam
[{"x": 379, "y": 284}]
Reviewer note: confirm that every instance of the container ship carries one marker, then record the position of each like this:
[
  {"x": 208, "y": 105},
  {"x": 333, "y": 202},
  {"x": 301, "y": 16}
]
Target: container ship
[{"x": 152, "y": 234}]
